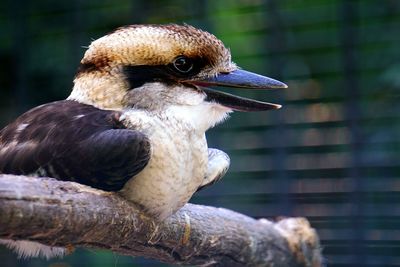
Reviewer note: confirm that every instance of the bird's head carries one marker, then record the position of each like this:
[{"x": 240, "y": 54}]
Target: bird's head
[{"x": 165, "y": 67}]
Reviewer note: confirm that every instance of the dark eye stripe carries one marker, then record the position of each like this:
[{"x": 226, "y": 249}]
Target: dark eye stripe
[{"x": 139, "y": 75}]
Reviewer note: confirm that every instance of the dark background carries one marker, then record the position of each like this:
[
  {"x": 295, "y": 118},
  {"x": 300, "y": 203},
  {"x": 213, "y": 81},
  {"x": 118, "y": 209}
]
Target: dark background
[{"x": 332, "y": 154}]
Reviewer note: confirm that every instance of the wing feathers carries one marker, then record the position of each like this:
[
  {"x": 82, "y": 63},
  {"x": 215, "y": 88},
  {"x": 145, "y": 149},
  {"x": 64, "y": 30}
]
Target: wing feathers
[{"x": 72, "y": 141}]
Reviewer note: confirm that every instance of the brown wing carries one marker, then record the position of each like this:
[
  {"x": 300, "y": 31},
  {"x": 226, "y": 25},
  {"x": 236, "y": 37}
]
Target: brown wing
[{"x": 76, "y": 142}]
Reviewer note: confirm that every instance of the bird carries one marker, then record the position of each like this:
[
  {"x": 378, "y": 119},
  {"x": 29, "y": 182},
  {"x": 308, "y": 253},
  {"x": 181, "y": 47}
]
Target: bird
[{"x": 135, "y": 121}]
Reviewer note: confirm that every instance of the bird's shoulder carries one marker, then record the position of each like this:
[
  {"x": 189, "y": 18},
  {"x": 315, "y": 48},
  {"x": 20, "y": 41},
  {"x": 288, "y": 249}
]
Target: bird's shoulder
[{"x": 60, "y": 118}]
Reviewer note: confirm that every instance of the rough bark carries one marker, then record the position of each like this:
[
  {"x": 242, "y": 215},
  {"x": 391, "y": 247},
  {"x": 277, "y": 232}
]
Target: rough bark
[{"x": 69, "y": 214}]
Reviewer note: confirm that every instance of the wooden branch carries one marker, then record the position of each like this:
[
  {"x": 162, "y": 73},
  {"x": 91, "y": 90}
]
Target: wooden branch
[{"x": 69, "y": 214}]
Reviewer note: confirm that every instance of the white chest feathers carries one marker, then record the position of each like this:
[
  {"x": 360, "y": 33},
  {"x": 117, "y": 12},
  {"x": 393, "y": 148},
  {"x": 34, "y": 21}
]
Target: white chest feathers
[{"x": 177, "y": 165}]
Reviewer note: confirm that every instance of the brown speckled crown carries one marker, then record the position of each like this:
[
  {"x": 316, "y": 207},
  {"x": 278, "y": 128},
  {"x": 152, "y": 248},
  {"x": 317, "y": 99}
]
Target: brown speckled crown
[{"x": 157, "y": 45}]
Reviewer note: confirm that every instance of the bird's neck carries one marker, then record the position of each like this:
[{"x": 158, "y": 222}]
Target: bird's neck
[
  {"x": 101, "y": 91},
  {"x": 183, "y": 107}
]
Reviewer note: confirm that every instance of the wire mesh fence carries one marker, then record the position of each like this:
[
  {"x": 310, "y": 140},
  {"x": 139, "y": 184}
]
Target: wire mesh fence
[{"x": 331, "y": 154}]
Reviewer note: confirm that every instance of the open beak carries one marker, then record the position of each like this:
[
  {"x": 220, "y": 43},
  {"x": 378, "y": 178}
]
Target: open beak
[{"x": 239, "y": 79}]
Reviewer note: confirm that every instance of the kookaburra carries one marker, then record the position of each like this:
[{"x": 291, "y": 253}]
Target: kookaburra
[{"x": 135, "y": 120}]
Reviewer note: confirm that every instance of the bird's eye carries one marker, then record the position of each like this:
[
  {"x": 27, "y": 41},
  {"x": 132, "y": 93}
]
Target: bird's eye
[{"x": 183, "y": 64}]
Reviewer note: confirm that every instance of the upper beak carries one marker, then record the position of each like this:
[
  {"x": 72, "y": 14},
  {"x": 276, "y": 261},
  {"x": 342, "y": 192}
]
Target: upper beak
[
  {"x": 240, "y": 79},
  {"x": 245, "y": 79}
]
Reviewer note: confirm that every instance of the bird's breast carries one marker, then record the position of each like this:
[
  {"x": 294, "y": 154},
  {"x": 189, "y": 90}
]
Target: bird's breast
[{"x": 176, "y": 168}]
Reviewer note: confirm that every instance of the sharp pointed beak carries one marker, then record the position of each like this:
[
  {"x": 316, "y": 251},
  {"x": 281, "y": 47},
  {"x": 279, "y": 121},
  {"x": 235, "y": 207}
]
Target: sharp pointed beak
[{"x": 239, "y": 79}]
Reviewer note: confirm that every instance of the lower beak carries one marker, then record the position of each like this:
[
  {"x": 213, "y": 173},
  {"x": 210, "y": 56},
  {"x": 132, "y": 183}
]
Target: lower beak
[{"x": 239, "y": 79}]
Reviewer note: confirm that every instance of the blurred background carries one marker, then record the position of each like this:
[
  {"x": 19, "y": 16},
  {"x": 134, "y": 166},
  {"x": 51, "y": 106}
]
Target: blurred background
[{"x": 331, "y": 154}]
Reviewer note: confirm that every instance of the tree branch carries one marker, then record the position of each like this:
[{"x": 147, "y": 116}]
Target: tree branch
[{"x": 69, "y": 214}]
